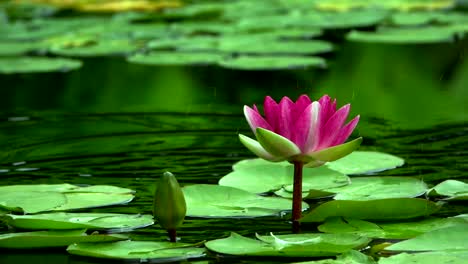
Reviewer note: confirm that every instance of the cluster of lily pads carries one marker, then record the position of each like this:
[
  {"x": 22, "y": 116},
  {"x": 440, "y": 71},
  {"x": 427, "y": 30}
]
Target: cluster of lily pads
[
  {"x": 352, "y": 208},
  {"x": 241, "y": 34}
]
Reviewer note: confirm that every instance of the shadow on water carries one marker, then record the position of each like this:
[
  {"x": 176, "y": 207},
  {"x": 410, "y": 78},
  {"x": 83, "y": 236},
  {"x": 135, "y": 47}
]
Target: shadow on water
[{"x": 123, "y": 124}]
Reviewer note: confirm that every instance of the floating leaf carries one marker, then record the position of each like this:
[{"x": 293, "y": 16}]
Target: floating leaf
[
  {"x": 176, "y": 58},
  {"x": 269, "y": 176},
  {"x": 141, "y": 250},
  {"x": 401, "y": 230},
  {"x": 300, "y": 245},
  {"x": 440, "y": 257},
  {"x": 372, "y": 188},
  {"x": 404, "y": 35},
  {"x": 195, "y": 43},
  {"x": 9, "y": 65},
  {"x": 244, "y": 62},
  {"x": 365, "y": 162},
  {"x": 222, "y": 201},
  {"x": 349, "y": 257},
  {"x": 383, "y": 209},
  {"x": 46, "y": 239},
  {"x": 455, "y": 190},
  {"x": 403, "y": 5},
  {"x": 99, "y": 48},
  {"x": 18, "y": 48},
  {"x": 63, "y": 220},
  {"x": 449, "y": 238},
  {"x": 58, "y": 197},
  {"x": 255, "y": 46}
]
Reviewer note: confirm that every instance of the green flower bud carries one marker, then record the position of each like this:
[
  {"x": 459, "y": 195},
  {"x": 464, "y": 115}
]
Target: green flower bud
[{"x": 169, "y": 206}]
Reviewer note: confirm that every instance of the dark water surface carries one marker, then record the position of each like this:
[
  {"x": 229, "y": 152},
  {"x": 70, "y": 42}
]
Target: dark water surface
[{"x": 120, "y": 124}]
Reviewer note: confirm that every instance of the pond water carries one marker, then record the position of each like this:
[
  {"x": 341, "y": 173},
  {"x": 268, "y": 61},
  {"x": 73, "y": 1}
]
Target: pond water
[{"x": 120, "y": 124}]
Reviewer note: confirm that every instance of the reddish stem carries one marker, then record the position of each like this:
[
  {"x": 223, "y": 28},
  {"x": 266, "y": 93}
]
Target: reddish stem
[
  {"x": 172, "y": 235},
  {"x": 297, "y": 196}
]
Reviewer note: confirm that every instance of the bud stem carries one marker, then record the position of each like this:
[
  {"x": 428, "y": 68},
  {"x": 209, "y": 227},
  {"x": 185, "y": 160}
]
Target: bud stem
[
  {"x": 172, "y": 235},
  {"x": 297, "y": 197}
]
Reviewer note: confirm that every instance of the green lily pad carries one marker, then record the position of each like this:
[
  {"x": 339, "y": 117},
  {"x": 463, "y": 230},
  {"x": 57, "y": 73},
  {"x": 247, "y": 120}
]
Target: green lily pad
[
  {"x": 404, "y": 35},
  {"x": 372, "y": 188},
  {"x": 194, "y": 43},
  {"x": 254, "y": 46},
  {"x": 439, "y": 257},
  {"x": 296, "y": 245},
  {"x": 455, "y": 190},
  {"x": 260, "y": 177},
  {"x": 365, "y": 162},
  {"x": 99, "y": 48},
  {"x": 59, "y": 197},
  {"x": 365, "y": 188},
  {"x": 403, "y": 5},
  {"x": 390, "y": 230},
  {"x": 205, "y": 200},
  {"x": 18, "y": 48},
  {"x": 245, "y": 62},
  {"x": 62, "y": 220},
  {"x": 176, "y": 58},
  {"x": 349, "y": 257},
  {"x": 141, "y": 250},
  {"x": 46, "y": 239},
  {"x": 449, "y": 238},
  {"x": 10, "y": 65},
  {"x": 383, "y": 209}
]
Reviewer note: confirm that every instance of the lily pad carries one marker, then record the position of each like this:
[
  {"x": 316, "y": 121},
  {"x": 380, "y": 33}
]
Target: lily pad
[
  {"x": 176, "y": 58},
  {"x": 382, "y": 209},
  {"x": 365, "y": 162},
  {"x": 59, "y": 197},
  {"x": 349, "y": 257},
  {"x": 372, "y": 188},
  {"x": 439, "y": 257},
  {"x": 10, "y": 65},
  {"x": 18, "y": 48},
  {"x": 297, "y": 245},
  {"x": 138, "y": 250},
  {"x": 245, "y": 62},
  {"x": 62, "y": 220},
  {"x": 449, "y": 238},
  {"x": 269, "y": 176},
  {"x": 390, "y": 230},
  {"x": 455, "y": 190},
  {"x": 404, "y": 35},
  {"x": 99, "y": 48},
  {"x": 205, "y": 200},
  {"x": 254, "y": 46},
  {"x": 46, "y": 239}
]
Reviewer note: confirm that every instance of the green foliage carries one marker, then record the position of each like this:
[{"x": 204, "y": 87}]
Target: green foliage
[
  {"x": 9, "y": 65},
  {"x": 451, "y": 189},
  {"x": 365, "y": 162},
  {"x": 442, "y": 257}
]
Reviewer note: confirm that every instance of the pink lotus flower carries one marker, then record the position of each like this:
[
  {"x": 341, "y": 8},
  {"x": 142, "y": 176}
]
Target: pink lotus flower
[{"x": 303, "y": 131}]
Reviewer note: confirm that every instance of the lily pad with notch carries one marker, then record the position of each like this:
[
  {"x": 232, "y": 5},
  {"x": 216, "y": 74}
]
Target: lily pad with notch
[
  {"x": 94, "y": 221},
  {"x": 450, "y": 190},
  {"x": 294, "y": 245},
  {"x": 205, "y": 200},
  {"x": 47, "y": 239},
  {"x": 262, "y": 176},
  {"x": 138, "y": 250}
]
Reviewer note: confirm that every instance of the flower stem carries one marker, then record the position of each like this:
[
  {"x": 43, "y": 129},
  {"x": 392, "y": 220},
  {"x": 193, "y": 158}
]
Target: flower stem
[
  {"x": 172, "y": 235},
  {"x": 297, "y": 196}
]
